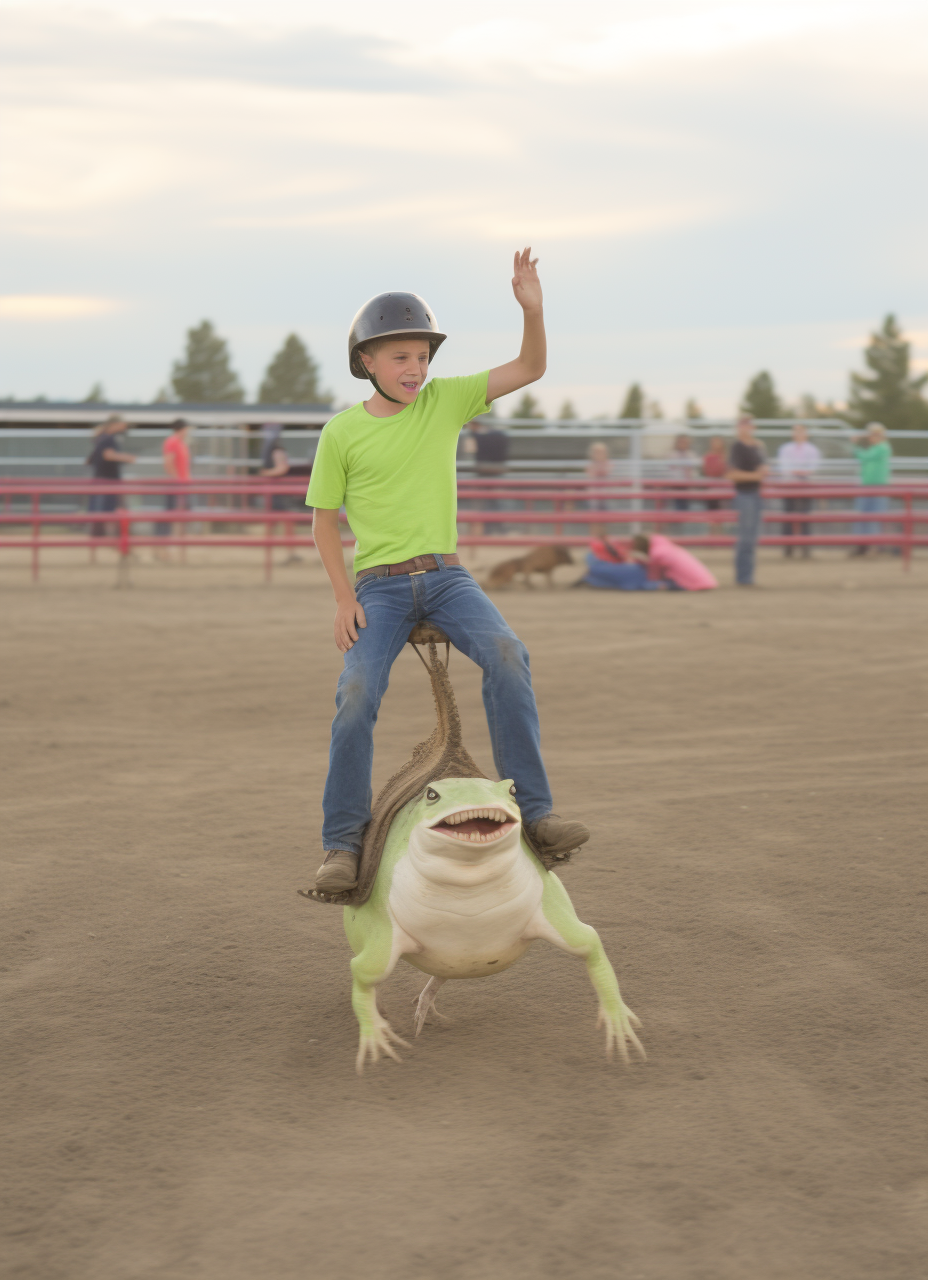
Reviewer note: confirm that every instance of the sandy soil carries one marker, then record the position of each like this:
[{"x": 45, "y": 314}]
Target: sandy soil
[{"x": 179, "y": 1040}]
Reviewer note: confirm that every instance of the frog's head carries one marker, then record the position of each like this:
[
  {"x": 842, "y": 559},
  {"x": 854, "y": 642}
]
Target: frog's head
[{"x": 467, "y": 818}]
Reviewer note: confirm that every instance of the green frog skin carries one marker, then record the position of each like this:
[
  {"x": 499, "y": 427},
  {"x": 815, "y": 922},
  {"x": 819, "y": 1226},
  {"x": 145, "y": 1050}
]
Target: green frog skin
[{"x": 459, "y": 894}]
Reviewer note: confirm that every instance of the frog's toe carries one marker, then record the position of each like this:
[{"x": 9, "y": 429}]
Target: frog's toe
[
  {"x": 619, "y": 1032},
  {"x": 380, "y": 1039},
  {"x": 426, "y": 1003}
]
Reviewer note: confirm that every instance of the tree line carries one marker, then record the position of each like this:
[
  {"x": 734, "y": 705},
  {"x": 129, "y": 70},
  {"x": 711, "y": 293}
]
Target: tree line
[
  {"x": 204, "y": 373},
  {"x": 886, "y": 392}
]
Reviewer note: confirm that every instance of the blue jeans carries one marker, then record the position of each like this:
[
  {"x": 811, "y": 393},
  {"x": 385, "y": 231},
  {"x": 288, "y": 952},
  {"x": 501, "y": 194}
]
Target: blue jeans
[
  {"x": 630, "y": 576},
  {"x": 876, "y": 502},
  {"x": 451, "y": 599},
  {"x": 172, "y": 501},
  {"x": 749, "y": 506},
  {"x": 101, "y": 502}
]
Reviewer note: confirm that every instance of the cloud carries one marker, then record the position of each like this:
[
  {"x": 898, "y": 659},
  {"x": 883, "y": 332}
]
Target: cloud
[
  {"x": 38, "y": 306},
  {"x": 681, "y": 167}
]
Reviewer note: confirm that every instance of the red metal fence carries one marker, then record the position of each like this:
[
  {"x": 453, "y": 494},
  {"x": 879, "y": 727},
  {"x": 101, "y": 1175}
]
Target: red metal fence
[{"x": 42, "y": 515}]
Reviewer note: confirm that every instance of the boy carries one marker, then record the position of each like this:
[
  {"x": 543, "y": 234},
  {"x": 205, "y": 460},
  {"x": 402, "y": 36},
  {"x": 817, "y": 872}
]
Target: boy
[{"x": 391, "y": 461}]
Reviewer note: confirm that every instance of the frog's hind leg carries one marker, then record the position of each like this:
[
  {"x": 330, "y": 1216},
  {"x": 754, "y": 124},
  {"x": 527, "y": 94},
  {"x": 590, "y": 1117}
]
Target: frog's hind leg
[
  {"x": 557, "y": 922},
  {"x": 426, "y": 1003}
]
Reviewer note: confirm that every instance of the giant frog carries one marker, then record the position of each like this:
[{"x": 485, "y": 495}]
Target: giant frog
[{"x": 450, "y": 883}]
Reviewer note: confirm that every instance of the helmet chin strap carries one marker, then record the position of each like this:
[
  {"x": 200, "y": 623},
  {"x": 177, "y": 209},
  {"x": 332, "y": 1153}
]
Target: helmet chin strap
[{"x": 380, "y": 389}]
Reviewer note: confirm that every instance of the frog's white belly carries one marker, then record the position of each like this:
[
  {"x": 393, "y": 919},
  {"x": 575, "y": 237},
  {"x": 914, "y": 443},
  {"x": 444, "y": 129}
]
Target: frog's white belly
[{"x": 467, "y": 921}]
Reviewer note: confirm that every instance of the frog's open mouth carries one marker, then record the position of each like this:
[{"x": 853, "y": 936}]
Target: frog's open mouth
[{"x": 480, "y": 826}]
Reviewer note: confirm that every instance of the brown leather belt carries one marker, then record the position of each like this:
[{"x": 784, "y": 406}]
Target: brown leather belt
[{"x": 418, "y": 564}]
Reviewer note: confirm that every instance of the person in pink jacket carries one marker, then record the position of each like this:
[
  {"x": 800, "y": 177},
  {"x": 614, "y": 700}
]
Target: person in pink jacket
[{"x": 674, "y": 563}]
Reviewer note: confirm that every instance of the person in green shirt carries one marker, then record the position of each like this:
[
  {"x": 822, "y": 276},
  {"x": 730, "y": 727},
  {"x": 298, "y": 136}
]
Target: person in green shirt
[
  {"x": 391, "y": 462},
  {"x": 875, "y": 456}
]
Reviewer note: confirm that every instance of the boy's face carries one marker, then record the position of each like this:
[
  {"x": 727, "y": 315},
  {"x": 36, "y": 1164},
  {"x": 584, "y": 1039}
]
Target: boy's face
[{"x": 400, "y": 367}]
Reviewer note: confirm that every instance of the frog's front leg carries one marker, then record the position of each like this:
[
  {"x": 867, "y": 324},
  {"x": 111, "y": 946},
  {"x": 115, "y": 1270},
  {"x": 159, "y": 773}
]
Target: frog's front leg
[
  {"x": 379, "y": 946},
  {"x": 556, "y": 920}
]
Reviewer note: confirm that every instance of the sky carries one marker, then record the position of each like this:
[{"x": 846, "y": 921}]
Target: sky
[{"x": 711, "y": 188}]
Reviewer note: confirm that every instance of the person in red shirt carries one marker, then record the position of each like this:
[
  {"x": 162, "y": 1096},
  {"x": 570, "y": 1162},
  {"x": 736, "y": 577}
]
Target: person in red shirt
[{"x": 176, "y": 454}]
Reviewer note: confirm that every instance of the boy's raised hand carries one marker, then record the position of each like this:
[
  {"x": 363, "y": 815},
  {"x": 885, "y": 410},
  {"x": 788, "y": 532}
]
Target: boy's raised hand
[
  {"x": 529, "y": 365},
  {"x": 525, "y": 283}
]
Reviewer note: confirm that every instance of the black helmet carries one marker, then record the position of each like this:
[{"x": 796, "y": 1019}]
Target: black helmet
[{"x": 389, "y": 314}]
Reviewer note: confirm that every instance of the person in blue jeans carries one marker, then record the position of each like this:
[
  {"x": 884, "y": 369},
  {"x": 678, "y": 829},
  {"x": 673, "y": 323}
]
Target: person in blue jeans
[
  {"x": 747, "y": 469},
  {"x": 875, "y": 456},
  {"x": 391, "y": 462}
]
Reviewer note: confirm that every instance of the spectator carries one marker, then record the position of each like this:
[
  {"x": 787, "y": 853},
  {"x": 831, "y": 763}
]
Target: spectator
[
  {"x": 175, "y": 451},
  {"x": 106, "y": 462},
  {"x": 682, "y": 469},
  {"x": 274, "y": 460},
  {"x": 875, "y": 455},
  {"x": 599, "y": 468},
  {"x": 715, "y": 467},
  {"x": 747, "y": 469},
  {"x": 674, "y": 564},
  {"x": 797, "y": 461},
  {"x": 275, "y": 464},
  {"x": 599, "y": 464},
  {"x": 489, "y": 447}
]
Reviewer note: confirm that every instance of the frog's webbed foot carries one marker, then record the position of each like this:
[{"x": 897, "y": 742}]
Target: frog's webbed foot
[
  {"x": 620, "y": 1032},
  {"x": 426, "y": 1003},
  {"x": 379, "y": 1039}
]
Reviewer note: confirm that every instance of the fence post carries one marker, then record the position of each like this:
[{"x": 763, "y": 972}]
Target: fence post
[
  {"x": 634, "y": 450},
  {"x": 35, "y": 536},
  {"x": 268, "y": 549},
  {"x": 122, "y": 571},
  {"x": 907, "y": 531}
]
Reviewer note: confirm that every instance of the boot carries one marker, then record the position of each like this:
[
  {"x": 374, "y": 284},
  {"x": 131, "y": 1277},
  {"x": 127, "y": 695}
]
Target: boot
[
  {"x": 556, "y": 838},
  {"x": 338, "y": 873}
]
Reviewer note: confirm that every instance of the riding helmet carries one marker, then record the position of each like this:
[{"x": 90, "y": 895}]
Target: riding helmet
[{"x": 387, "y": 315}]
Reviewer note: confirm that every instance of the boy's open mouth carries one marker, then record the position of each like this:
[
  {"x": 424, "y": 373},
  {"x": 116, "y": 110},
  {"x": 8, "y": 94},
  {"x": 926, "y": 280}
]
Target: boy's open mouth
[
  {"x": 479, "y": 826},
  {"x": 410, "y": 386}
]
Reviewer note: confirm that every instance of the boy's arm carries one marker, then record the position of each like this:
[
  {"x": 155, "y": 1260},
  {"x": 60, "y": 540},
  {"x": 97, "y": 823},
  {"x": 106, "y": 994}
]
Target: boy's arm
[
  {"x": 532, "y": 359},
  {"x": 348, "y": 612}
]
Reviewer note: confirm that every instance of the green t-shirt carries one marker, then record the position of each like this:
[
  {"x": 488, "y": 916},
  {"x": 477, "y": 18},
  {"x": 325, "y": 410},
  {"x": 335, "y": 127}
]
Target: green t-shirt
[
  {"x": 397, "y": 477},
  {"x": 875, "y": 463}
]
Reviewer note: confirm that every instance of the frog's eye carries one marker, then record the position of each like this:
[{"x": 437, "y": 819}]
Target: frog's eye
[
  {"x": 512, "y": 789},
  {"x": 432, "y": 795}
]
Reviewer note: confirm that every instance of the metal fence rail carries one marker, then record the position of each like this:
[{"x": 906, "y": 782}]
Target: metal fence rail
[{"x": 231, "y": 513}]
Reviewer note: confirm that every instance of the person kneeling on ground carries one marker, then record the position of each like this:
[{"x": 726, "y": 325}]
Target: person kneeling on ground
[
  {"x": 675, "y": 564},
  {"x": 609, "y": 567},
  {"x": 677, "y": 570}
]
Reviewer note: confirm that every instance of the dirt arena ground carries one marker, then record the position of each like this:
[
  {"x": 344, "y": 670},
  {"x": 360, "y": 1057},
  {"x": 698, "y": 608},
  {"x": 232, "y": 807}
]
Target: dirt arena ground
[{"x": 179, "y": 1043}]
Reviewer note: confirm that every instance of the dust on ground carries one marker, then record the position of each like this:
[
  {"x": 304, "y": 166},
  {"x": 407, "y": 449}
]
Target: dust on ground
[{"x": 179, "y": 1039}]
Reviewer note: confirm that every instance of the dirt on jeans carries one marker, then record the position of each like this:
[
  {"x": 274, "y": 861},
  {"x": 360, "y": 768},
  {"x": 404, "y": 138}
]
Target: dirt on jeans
[{"x": 181, "y": 1098}]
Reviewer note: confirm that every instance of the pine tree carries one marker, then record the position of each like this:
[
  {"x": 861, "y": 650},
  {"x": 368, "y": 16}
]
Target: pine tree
[
  {"x": 528, "y": 407},
  {"x": 292, "y": 377},
  {"x": 567, "y": 411},
  {"x": 692, "y": 411},
  {"x": 634, "y": 402},
  {"x": 809, "y": 406},
  {"x": 891, "y": 396},
  {"x": 96, "y": 394},
  {"x": 204, "y": 375},
  {"x": 760, "y": 398}
]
